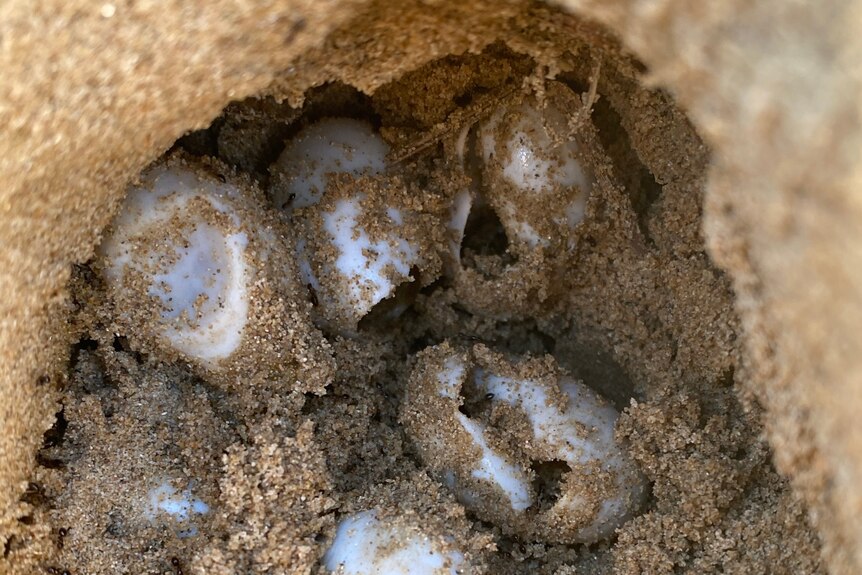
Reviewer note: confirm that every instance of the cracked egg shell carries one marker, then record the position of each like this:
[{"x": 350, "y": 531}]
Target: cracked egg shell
[
  {"x": 359, "y": 233},
  {"x": 536, "y": 174},
  {"x": 522, "y": 445}
]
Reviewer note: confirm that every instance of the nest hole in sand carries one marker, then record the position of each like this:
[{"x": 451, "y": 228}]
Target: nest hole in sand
[{"x": 161, "y": 460}]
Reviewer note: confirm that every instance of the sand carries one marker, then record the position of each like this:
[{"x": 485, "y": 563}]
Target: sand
[{"x": 637, "y": 311}]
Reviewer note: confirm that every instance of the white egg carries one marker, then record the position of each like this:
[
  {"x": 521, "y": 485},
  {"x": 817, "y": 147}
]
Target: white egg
[
  {"x": 196, "y": 269},
  {"x": 350, "y": 265},
  {"x": 531, "y": 173},
  {"x": 538, "y": 182},
  {"x": 570, "y": 427},
  {"x": 329, "y": 146},
  {"x": 365, "y": 545}
]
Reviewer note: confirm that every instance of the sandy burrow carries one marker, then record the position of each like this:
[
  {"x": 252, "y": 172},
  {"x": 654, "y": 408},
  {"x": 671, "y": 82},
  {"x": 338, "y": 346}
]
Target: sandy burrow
[{"x": 91, "y": 94}]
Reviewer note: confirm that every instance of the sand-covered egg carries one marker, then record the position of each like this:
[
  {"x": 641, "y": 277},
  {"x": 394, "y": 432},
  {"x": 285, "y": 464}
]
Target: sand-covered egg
[
  {"x": 405, "y": 526},
  {"x": 197, "y": 269},
  {"x": 328, "y": 146},
  {"x": 521, "y": 444},
  {"x": 532, "y": 165},
  {"x": 360, "y": 234},
  {"x": 365, "y": 545},
  {"x": 537, "y": 178}
]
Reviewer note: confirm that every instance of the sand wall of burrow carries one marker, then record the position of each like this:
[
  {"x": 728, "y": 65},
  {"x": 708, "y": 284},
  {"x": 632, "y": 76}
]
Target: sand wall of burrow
[{"x": 92, "y": 91}]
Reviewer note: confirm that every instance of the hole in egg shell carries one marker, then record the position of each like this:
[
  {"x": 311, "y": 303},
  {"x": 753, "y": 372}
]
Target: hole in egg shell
[
  {"x": 484, "y": 235},
  {"x": 423, "y": 231},
  {"x": 521, "y": 444},
  {"x": 548, "y": 476}
]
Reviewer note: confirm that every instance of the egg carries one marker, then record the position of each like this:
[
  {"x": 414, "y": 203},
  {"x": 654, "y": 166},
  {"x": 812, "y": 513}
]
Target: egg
[
  {"x": 537, "y": 180},
  {"x": 359, "y": 234},
  {"x": 329, "y": 146},
  {"x": 531, "y": 170},
  {"x": 521, "y": 444},
  {"x": 366, "y": 545},
  {"x": 198, "y": 270}
]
